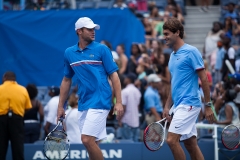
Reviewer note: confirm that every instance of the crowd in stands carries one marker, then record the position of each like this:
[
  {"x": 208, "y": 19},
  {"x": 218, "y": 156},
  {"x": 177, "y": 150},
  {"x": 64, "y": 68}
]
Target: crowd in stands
[{"x": 145, "y": 77}]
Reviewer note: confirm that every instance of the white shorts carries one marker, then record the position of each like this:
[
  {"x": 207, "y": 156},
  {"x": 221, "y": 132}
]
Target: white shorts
[
  {"x": 184, "y": 120},
  {"x": 92, "y": 122}
]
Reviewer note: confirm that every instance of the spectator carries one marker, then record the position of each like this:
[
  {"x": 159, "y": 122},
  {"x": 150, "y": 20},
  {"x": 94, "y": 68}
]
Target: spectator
[
  {"x": 177, "y": 14},
  {"x": 150, "y": 33},
  {"x": 130, "y": 99},
  {"x": 51, "y": 109},
  {"x": 219, "y": 60},
  {"x": 229, "y": 55},
  {"x": 114, "y": 54},
  {"x": 71, "y": 119},
  {"x": 133, "y": 61},
  {"x": 152, "y": 99},
  {"x": 33, "y": 124},
  {"x": 123, "y": 60},
  {"x": 210, "y": 45},
  {"x": 164, "y": 74},
  {"x": 172, "y": 4},
  {"x": 231, "y": 12},
  {"x": 142, "y": 5},
  {"x": 154, "y": 16},
  {"x": 226, "y": 109},
  {"x": 14, "y": 100}
]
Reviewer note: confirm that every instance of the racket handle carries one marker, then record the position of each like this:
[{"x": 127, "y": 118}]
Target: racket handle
[{"x": 214, "y": 112}]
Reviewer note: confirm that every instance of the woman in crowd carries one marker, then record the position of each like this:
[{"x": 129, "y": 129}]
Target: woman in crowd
[{"x": 33, "y": 124}]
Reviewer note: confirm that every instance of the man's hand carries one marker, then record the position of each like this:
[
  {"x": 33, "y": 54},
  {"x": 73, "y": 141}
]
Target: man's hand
[
  {"x": 60, "y": 113},
  {"x": 166, "y": 114},
  {"x": 209, "y": 115},
  {"x": 118, "y": 110}
]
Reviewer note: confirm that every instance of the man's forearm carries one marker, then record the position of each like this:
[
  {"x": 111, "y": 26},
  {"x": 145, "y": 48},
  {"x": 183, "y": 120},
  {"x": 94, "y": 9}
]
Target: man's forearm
[
  {"x": 206, "y": 91},
  {"x": 116, "y": 87},
  {"x": 64, "y": 90},
  {"x": 169, "y": 101}
]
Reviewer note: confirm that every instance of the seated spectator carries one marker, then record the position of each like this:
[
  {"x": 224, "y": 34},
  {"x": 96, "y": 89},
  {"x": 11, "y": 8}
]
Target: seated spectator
[
  {"x": 226, "y": 109},
  {"x": 33, "y": 117},
  {"x": 123, "y": 59},
  {"x": 164, "y": 73},
  {"x": 154, "y": 16},
  {"x": 172, "y": 4},
  {"x": 150, "y": 33},
  {"x": 143, "y": 66},
  {"x": 71, "y": 120},
  {"x": 231, "y": 12},
  {"x": 120, "y": 4},
  {"x": 50, "y": 109},
  {"x": 134, "y": 56},
  {"x": 142, "y": 5},
  {"x": 175, "y": 13}
]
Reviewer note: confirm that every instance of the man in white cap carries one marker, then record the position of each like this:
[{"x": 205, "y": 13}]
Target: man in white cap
[
  {"x": 92, "y": 63},
  {"x": 152, "y": 99}
]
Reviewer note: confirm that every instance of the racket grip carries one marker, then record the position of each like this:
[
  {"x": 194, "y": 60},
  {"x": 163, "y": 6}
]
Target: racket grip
[{"x": 214, "y": 112}]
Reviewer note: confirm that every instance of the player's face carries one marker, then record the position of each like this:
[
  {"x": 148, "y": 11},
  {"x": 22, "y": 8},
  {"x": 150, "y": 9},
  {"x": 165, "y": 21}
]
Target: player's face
[
  {"x": 87, "y": 34},
  {"x": 169, "y": 37}
]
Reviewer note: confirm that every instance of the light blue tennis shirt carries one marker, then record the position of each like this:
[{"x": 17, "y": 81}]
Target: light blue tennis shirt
[
  {"x": 92, "y": 66},
  {"x": 183, "y": 65},
  {"x": 152, "y": 99}
]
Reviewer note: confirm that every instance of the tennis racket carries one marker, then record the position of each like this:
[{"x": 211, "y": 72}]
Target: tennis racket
[
  {"x": 56, "y": 145},
  {"x": 231, "y": 137},
  {"x": 154, "y": 134}
]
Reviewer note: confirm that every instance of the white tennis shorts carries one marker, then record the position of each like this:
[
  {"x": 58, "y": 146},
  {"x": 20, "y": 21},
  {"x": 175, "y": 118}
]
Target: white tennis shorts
[
  {"x": 184, "y": 120},
  {"x": 92, "y": 122}
]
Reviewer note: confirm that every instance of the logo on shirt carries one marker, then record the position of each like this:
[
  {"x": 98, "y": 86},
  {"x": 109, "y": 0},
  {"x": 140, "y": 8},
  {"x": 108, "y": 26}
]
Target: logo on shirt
[
  {"x": 91, "y": 55},
  {"x": 190, "y": 108}
]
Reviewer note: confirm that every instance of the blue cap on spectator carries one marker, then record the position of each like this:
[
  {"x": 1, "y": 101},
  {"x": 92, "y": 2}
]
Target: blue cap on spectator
[
  {"x": 131, "y": 76},
  {"x": 55, "y": 90}
]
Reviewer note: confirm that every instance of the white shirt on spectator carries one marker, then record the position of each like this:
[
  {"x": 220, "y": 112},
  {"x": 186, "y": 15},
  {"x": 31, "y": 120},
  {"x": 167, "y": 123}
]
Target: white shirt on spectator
[
  {"x": 131, "y": 99},
  {"x": 231, "y": 53},
  {"x": 51, "y": 110},
  {"x": 72, "y": 128}
]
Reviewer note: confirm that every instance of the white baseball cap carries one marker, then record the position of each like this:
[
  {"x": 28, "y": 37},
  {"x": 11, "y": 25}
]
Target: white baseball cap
[
  {"x": 153, "y": 78},
  {"x": 85, "y": 22}
]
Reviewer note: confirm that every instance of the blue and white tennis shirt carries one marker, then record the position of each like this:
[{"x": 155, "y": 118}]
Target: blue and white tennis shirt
[
  {"x": 92, "y": 66},
  {"x": 183, "y": 66}
]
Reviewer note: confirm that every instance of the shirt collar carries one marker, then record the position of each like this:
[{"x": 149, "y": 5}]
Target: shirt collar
[
  {"x": 9, "y": 82},
  {"x": 90, "y": 46}
]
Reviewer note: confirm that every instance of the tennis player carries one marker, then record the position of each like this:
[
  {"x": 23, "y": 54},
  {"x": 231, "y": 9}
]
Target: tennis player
[
  {"x": 92, "y": 63},
  {"x": 185, "y": 65}
]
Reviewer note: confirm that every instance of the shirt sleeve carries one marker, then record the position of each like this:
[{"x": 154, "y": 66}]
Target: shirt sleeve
[
  {"x": 108, "y": 61},
  {"x": 196, "y": 60},
  {"x": 68, "y": 71},
  {"x": 124, "y": 98}
]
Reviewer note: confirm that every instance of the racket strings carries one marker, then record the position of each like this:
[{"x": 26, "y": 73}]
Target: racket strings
[
  {"x": 154, "y": 136},
  {"x": 56, "y": 145},
  {"x": 231, "y": 137}
]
